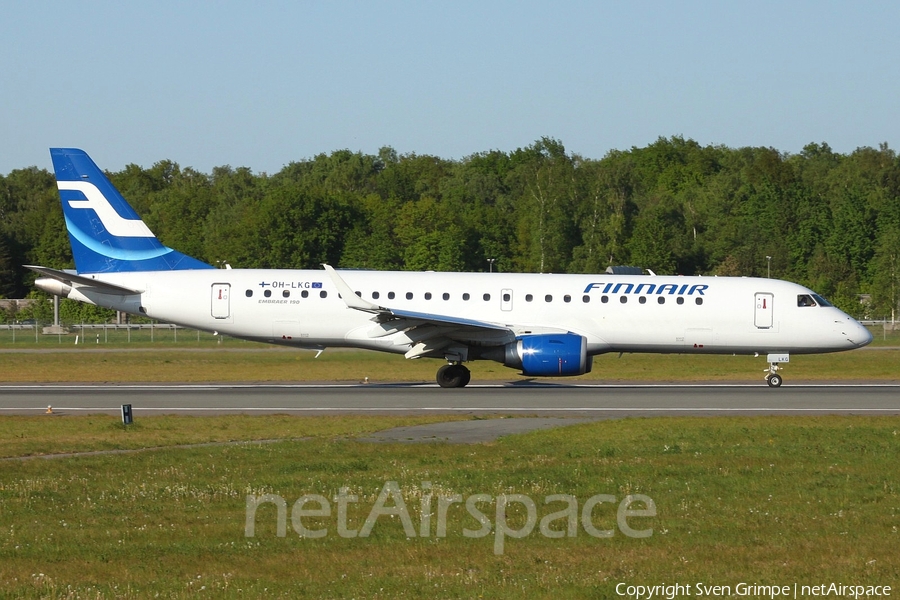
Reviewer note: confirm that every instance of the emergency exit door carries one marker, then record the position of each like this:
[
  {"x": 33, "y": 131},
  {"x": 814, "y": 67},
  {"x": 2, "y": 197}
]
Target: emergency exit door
[
  {"x": 221, "y": 300},
  {"x": 763, "y": 318}
]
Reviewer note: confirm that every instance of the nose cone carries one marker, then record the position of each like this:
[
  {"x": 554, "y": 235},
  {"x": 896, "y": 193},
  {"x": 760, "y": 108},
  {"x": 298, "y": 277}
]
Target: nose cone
[
  {"x": 856, "y": 333},
  {"x": 865, "y": 336}
]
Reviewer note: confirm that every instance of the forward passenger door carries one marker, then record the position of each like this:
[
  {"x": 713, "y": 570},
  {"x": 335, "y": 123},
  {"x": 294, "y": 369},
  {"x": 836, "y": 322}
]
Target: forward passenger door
[{"x": 763, "y": 317}]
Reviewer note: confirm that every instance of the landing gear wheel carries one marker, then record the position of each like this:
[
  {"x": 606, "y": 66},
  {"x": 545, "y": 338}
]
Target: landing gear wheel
[
  {"x": 772, "y": 377},
  {"x": 451, "y": 376}
]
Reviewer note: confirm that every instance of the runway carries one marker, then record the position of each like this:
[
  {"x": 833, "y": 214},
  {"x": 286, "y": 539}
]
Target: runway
[{"x": 528, "y": 398}]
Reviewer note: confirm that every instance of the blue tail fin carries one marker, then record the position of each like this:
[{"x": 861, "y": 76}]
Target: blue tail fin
[{"x": 105, "y": 232}]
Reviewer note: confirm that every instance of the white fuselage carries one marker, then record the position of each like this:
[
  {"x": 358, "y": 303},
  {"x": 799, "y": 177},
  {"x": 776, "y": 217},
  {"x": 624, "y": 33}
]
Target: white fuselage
[{"x": 615, "y": 313}]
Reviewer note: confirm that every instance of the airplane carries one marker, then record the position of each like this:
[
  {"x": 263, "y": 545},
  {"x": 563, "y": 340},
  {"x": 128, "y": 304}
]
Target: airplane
[{"x": 544, "y": 325}]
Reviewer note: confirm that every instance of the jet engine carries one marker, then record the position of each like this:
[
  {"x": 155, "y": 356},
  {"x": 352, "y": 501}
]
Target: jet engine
[{"x": 549, "y": 354}]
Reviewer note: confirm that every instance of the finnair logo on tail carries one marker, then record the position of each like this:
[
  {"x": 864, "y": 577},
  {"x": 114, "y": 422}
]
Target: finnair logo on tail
[{"x": 96, "y": 201}]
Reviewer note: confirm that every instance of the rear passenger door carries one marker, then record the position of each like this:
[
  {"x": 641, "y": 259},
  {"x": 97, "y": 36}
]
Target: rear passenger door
[{"x": 221, "y": 300}]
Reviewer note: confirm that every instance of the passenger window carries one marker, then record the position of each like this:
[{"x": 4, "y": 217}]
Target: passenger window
[
  {"x": 642, "y": 300},
  {"x": 375, "y": 295},
  {"x": 466, "y": 296},
  {"x": 446, "y": 296},
  {"x": 428, "y": 295},
  {"x": 698, "y": 301},
  {"x": 267, "y": 293},
  {"x": 359, "y": 294},
  {"x": 661, "y": 300},
  {"x": 585, "y": 298},
  {"x": 567, "y": 298},
  {"x": 323, "y": 294},
  {"x": 804, "y": 300},
  {"x": 680, "y": 300},
  {"x": 623, "y": 299},
  {"x": 507, "y": 297},
  {"x": 409, "y": 295},
  {"x": 487, "y": 297},
  {"x": 604, "y": 299},
  {"x": 249, "y": 293},
  {"x": 304, "y": 294},
  {"x": 528, "y": 297},
  {"x": 548, "y": 298},
  {"x": 286, "y": 294},
  {"x": 391, "y": 295}
]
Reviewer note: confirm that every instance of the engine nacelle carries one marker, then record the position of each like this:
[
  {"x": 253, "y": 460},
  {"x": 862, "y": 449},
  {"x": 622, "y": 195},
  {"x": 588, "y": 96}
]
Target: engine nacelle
[{"x": 549, "y": 355}]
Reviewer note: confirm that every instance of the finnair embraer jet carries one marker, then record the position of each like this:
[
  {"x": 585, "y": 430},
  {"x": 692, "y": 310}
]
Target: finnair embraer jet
[{"x": 544, "y": 325}]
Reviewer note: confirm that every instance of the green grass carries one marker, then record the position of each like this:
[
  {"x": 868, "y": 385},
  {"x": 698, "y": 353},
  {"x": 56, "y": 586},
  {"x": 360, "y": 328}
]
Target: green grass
[
  {"x": 191, "y": 338},
  {"x": 27, "y": 436},
  {"x": 771, "y": 500},
  {"x": 217, "y": 358},
  {"x": 255, "y": 364}
]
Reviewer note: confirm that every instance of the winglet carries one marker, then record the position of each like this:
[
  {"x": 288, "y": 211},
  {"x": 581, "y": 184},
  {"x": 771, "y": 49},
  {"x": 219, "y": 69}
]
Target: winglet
[{"x": 349, "y": 296}]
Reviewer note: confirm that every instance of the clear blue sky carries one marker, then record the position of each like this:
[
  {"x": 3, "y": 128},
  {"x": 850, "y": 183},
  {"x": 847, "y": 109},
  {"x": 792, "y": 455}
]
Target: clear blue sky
[{"x": 262, "y": 84}]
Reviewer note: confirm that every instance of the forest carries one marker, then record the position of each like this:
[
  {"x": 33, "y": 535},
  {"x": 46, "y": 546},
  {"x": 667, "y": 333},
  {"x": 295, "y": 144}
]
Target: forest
[{"x": 826, "y": 220}]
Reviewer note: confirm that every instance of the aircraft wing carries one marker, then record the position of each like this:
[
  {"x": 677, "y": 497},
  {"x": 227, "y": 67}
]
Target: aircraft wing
[
  {"x": 388, "y": 314},
  {"x": 75, "y": 280},
  {"x": 432, "y": 333},
  {"x": 445, "y": 320}
]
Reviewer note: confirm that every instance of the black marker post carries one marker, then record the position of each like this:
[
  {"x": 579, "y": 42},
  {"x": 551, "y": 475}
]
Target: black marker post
[{"x": 127, "y": 418}]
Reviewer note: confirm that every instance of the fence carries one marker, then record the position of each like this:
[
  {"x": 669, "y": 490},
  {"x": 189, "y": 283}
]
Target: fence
[{"x": 104, "y": 333}]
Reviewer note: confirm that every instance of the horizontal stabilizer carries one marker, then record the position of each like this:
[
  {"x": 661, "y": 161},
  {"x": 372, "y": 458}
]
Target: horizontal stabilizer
[{"x": 81, "y": 280}]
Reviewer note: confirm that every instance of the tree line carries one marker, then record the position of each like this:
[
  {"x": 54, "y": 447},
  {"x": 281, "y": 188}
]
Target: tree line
[{"x": 826, "y": 220}]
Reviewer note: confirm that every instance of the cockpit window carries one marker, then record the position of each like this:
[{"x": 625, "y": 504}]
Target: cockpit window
[
  {"x": 822, "y": 301},
  {"x": 805, "y": 300}
]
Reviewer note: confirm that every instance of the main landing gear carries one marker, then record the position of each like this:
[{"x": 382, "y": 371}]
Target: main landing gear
[{"x": 453, "y": 375}]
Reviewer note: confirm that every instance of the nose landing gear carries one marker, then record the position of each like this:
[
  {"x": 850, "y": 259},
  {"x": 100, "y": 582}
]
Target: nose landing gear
[
  {"x": 772, "y": 377},
  {"x": 774, "y": 380}
]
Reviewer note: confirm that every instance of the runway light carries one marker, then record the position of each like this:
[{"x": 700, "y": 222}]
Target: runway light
[{"x": 49, "y": 410}]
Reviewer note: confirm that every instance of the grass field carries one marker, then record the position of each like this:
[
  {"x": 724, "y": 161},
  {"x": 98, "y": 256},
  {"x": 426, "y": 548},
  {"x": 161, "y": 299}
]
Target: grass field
[
  {"x": 197, "y": 357},
  {"x": 771, "y": 500},
  {"x": 111, "y": 336},
  {"x": 256, "y": 363}
]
